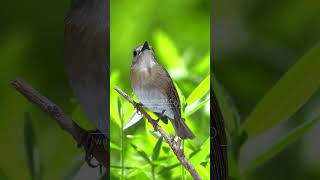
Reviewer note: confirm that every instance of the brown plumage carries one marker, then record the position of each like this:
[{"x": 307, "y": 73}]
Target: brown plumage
[
  {"x": 86, "y": 55},
  {"x": 155, "y": 89}
]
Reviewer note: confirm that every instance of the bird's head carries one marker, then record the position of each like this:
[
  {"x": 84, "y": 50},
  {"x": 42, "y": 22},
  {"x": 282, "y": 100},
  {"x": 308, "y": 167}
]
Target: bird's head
[{"x": 143, "y": 53}]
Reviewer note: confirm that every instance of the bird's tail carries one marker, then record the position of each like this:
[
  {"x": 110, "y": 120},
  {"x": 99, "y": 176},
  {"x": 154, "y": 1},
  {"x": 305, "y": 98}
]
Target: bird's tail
[{"x": 182, "y": 129}]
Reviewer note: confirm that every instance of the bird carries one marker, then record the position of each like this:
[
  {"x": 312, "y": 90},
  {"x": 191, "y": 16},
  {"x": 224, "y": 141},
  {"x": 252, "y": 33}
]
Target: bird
[
  {"x": 154, "y": 88},
  {"x": 86, "y": 57}
]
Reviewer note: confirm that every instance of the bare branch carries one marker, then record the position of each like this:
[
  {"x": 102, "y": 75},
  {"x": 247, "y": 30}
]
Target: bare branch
[
  {"x": 100, "y": 152},
  {"x": 174, "y": 145}
]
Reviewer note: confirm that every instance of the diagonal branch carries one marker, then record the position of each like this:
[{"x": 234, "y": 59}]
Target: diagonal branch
[
  {"x": 175, "y": 146},
  {"x": 100, "y": 152}
]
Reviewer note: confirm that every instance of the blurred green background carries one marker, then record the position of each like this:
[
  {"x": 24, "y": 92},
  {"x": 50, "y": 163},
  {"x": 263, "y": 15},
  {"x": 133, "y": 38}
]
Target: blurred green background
[
  {"x": 254, "y": 44},
  {"x": 31, "y": 46},
  {"x": 179, "y": 32}
]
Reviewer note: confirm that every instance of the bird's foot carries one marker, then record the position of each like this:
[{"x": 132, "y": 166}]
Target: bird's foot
[
  {"x": 177, "y": 144},
  {"x": 90, "y": 140},
  {"x": 157, "y": 120},
  {"x": 137, "y": 106}
]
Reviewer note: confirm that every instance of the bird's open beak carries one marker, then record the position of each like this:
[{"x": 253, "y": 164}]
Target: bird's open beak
[{"x": 145, "y": 46}]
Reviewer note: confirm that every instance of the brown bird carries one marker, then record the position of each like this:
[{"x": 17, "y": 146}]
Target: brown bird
[
  {"x": 86, "y": 55},
  {"x": 154, "y": 88}
]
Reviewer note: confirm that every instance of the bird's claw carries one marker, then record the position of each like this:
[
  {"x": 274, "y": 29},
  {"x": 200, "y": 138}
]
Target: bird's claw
[
  {"x": 89, "y": 140},
  {"x": 157, "y": 120},
  {"x": 136, "y": 106}
]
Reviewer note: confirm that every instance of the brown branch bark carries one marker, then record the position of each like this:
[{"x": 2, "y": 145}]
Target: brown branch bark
[
  {"x": 100, "y": 152},
  {"x": 174, "y": 145}
]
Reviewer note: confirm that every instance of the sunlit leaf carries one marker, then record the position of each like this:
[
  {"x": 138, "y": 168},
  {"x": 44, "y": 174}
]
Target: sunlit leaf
[
  {"x": 201, "y": 90},
  {"x": 203, "y": 172},
  {"x": 190, "y": 109},
  {"x": 114, "y": 79},
  {"x": 291, "y": 92},
  {"x": 203, "y": 154},
  {"x": 181, "y": 95},
  {"x": 114, "y": 146},
  {"x": 156, "y": 149},
  {"x": 136, "y": 117},
  {"x": 155, "y": 134},
  {"x": 166, "y": 50},
  {"x": 203, "y": 65},
  {"x": 283, "y": 142}
]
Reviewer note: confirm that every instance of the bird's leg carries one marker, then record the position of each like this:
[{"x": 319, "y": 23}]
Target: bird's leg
[
  {"x": 89, "y": 140},
  {"x": 161, "y": 116},
  {"x": 157, "y": 121},
  {"x": 137, "y": 105}
]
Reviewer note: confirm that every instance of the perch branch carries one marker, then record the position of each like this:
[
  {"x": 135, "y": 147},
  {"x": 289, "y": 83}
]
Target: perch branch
[
  {"x": 100, "y": 152},
  {"x": 175, "y": 146}
]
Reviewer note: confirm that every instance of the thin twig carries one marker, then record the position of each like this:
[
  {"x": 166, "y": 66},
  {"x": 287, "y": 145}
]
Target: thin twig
[
  {"x": 100, "y": 152},
  {"x": 175, "y": 146}
]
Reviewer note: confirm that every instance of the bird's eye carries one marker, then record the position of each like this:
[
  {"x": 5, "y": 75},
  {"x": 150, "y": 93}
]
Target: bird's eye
[{"x": 134, "y": 53}]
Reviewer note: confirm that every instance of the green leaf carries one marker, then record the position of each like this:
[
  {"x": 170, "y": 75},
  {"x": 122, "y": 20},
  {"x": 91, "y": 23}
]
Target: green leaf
[
  {"x": 291, "y": 92},
  {"x": 232, "y": 166},
  {"x": 29, "y": 140},
  {"x": 203, "y": 172},
  {"x": 138, "y": 173},
  {"x": 141, "y": 153},
  {"x": 155, "y": 134},
  {"x": 203, "y": 154},
  {"x": 229, "y": 111},
  {"x": 120, "y": 113},
  {"x": 203, "y": 65},
  {"x": 114, "y": 78},
  {"x": 201, "y": 90},
  {"x": 33, "y": 156},
  {"x": 284, "y": 142},
  {"x": 74, "y": 169},
  {"x": 133, "y": 120},
  {"x": 169, "y": 168},
  {"x": 190, "y": 109},
  {"x": 156, "y": 149},
  {"x": 114, "y": 146},
  {"x": 3, "y": 175},
  {"x": 167, "y": 51},
  {"x": 181, "y": 95}
]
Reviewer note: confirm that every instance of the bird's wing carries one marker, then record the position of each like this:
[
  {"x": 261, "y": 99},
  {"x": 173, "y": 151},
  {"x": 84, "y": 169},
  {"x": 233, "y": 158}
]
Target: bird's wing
[{"x": 168, "y": 89}]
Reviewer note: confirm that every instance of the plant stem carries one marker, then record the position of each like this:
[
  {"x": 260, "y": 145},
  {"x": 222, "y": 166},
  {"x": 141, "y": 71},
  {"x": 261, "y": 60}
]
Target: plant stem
[{"x": 153, "y": 172}]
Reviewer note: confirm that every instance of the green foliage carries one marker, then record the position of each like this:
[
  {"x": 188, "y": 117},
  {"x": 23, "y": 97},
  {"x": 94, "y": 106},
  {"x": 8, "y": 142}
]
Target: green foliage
[
  {"x": 280, "y": 103},
  {"x": 34, "y": 164},
  {"x": 228, "y": 109},
  {"x": 3, "y": 175},
  {"x": 185, "y": 54},
  {"x": 201, "y": 90},
  {"x": 156, "y": 150},
  {"x": 288, "y": 95},
  {"x": 283, "y": 142}
]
